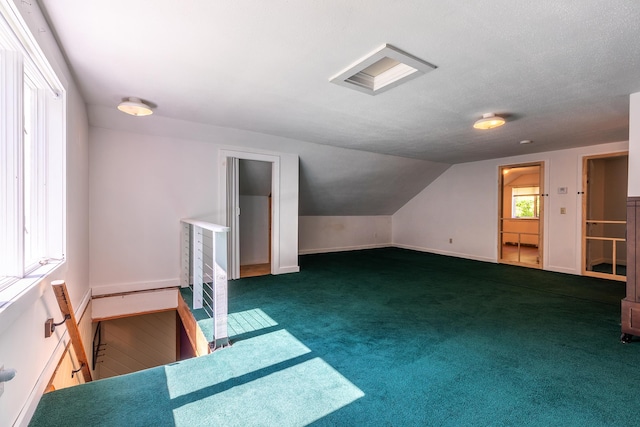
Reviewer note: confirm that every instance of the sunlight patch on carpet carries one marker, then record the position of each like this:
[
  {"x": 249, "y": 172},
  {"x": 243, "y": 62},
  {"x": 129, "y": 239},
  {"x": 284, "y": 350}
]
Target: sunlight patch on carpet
[
  {"x": 249, "y": 321},
  {"x": 286, "y": 383},
  {"x": 296, "y": 395},
  {"x": 241, "y": 360}
]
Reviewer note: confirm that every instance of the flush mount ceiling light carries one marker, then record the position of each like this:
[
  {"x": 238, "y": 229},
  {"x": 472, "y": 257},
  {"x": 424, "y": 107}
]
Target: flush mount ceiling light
[
  {"x": 381, "y": 70},
  {"x": 135, "y": 107},
  {"x": 489, "y": 121},
  {"x": 526, "y": 141}
]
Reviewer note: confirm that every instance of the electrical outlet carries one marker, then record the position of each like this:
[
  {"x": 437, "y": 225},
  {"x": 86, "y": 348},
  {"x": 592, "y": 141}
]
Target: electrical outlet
[{"x": 563, "y": 211}]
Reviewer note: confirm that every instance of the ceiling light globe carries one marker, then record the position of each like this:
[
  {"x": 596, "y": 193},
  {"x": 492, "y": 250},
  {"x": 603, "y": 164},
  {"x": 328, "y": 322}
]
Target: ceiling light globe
[
  {"x": 489, "y": 121},
  {"x": 135, "y": 107}
]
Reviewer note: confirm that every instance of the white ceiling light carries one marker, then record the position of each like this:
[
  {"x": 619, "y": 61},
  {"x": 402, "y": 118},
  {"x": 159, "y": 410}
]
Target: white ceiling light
[
  {"x": 381, "y": 70},
  {"x": 489, "y": 121},
  {"x": 135, "y": 107}
]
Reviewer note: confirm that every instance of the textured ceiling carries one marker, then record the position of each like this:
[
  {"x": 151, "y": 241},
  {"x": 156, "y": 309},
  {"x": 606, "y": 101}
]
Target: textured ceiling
[{"x": 561, "y": 70}]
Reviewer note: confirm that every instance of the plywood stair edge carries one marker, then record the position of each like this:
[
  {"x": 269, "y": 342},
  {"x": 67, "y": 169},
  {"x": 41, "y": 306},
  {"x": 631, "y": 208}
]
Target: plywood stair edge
[{"x": 199, "y": 342}]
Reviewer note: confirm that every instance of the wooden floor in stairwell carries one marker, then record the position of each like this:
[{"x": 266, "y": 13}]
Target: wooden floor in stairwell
[{"x": 254, "y": 270}]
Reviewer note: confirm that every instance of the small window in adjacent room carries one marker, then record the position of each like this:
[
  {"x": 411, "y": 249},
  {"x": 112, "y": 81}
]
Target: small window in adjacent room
[
  {"x": 526, "y": 202},
  {"x": 32, "y": 173}
]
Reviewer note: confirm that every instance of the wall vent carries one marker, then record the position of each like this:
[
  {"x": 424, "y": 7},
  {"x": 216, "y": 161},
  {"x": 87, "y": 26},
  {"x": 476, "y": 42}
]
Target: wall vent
[{"x": 381, "y": 70}]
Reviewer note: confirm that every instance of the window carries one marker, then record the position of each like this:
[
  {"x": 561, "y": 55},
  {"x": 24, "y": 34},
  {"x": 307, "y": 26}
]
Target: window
[
  {"x": 32, "y": 152},
  {"x": 526, "y": 202}
]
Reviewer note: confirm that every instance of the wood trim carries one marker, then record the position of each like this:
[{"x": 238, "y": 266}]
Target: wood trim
[
  {"x": 500, "y": 211},
  {"x": 50, "y": 386},
  {"x": 543, "y": 204},
  {"x": 541, "y": 184},
  {"x": 583, "y": 225},
  {"x": 607, "y": 155},
  {"x": 633, "y": 241},
  {"x": 199, "y": 342},
  {"x": 630, "y": 317},
  {"x": 605, "y": 276},
  {"x": 585, "y": 220},
  {"x": 630, "y": 306},
  {"x": 179, "y": 328}
]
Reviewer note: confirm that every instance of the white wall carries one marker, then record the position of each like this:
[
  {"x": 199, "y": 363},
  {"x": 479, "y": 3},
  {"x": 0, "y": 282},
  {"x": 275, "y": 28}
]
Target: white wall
[
  {"x": 22, "y": 342},
  {"x": 142, "y": 185},
  {"x": 254, "y": 230},
  {"x": 333, "y": 181},
  {"x": 634, "y": 146},
  {"x": 462, "y": 204},
  {"x": 343, "y": 233}
]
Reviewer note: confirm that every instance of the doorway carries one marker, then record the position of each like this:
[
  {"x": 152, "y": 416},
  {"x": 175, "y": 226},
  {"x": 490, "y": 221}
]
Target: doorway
[
  {"x": 230, "y": 211},
  {"x": 521, "y": 211},
  {"x": 604, "y": 214},
  {"x": 254, "y": 179}
]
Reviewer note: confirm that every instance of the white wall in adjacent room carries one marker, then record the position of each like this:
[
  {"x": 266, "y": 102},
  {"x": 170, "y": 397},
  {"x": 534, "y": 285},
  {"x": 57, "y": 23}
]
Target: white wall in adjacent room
[
  {"x": 462, "y": 205},
  {"x": 254, "y": 230},
  {"x": 343, "y": 233}
]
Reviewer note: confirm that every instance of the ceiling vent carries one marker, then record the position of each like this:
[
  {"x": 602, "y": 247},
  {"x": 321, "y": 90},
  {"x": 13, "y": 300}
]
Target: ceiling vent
[{"x": 382, "y": 70}]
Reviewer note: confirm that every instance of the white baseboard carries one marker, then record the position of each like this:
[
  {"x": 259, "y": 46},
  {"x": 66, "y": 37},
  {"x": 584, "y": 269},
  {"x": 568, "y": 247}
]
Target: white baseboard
[
  {"x": 343, "y": 249},
  {"x": 83, "y": 305},
  {"x": 564, "y": 270},
  {"x": 447, "y": 253},
  {"x": 286, "y": 270},
  {"x": 31, "y": 404}
]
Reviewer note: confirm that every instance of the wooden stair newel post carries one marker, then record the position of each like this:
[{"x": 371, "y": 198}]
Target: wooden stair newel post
[
  {"x": 631, "y": 303},
  {"x": 60, "y": 290}
]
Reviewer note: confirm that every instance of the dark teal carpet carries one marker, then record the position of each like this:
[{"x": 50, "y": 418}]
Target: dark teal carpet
[{"x": 390, "y": 337}]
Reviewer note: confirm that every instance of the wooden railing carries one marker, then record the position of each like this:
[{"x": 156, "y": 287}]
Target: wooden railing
[
  {"x": 614, "y": 249},
  {"x": 204, "y": 269}
]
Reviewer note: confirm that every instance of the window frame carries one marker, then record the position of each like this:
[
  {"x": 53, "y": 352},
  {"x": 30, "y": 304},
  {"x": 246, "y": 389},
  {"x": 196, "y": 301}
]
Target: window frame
[
  {"x": 23, "y": 65},
  {"x": 536, "y": 202}
]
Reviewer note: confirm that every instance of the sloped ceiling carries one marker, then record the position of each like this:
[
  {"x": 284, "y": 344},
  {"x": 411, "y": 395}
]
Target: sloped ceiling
[
  {"x": 254, "y": 178},
  {"x": 560, "y": 71}
]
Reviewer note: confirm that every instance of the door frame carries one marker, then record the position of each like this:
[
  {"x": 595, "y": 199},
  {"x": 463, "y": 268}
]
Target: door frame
[
  {"x": 583, "y": 225},
  {"x": 225, "y": 211},
  {"x": 541, "y": 184}
]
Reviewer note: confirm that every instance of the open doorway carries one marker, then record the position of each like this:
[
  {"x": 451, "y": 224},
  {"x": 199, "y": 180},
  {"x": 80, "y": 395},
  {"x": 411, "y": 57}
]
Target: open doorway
[
  {"x": 255, "y": 217},
  {"x": 261, "y": 176},
  {"x": 521, "y": 215},
  {"x": 604, "y": 214}
]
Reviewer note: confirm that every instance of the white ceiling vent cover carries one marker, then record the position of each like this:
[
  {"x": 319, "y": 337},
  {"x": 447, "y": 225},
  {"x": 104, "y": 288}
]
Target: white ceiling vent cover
[{"x": 382, "y": 70}]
